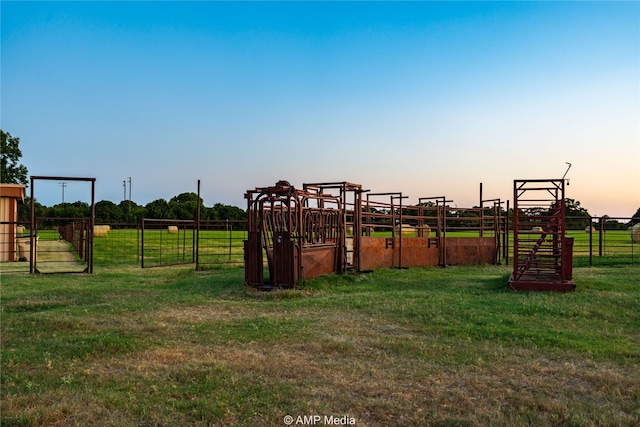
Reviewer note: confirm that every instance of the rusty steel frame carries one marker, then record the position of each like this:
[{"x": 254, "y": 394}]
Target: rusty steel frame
[
  {"x": 441, "y": 225},
  {"x": 542, "y": 252},
  {"x": 34, "y": 224},
  {"x": 421, "y": 249},
  {"x": 350, "y": 196},
  {"x": 300, "y": 232},
  {"x": 393, "y": 196},
  {"x": 498, "y": 225},
  {"x": 288, "y": 229}
]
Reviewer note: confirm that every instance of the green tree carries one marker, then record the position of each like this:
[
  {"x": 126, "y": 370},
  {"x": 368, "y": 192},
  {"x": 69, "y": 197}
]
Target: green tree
[
  {"x": 184, "y": 206},
  {"x": 158, "y": 209},
  {"x": 11, "y": 172},
  {"x": 577, "y": 217},
  {"x": 70, "y": 210},
  {"x": 24, "y": 210},
  {"x": 229, "y": 212},
  {"x": 132, "y": 213},
  {"x": 108, "y": 212}
]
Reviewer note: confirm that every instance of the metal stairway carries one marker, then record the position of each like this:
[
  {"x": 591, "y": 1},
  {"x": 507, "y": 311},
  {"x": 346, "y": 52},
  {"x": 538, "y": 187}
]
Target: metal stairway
[{"x": 542, "y": 252}]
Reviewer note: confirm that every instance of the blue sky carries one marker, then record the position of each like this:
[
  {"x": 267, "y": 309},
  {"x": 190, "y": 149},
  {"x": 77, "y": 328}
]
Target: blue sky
[{"x": 426, "y": 98}]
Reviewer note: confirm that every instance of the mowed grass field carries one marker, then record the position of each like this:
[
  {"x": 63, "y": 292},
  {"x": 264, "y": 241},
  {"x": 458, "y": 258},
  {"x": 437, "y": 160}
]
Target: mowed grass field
[{"x": 417, "y": 347}]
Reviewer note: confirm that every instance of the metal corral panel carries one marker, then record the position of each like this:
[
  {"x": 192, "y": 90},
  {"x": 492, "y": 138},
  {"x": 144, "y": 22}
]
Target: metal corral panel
[
  {"x": 384, "y": 252},
  {"x": 417, "y": 252},
  {"x": 253, "y": 268},
  {"x": 376, "y": 252},
  {"x": 471, "y": 250},
  {"x": 284, "y": 260},
  {"x": 318, "y": 261}
]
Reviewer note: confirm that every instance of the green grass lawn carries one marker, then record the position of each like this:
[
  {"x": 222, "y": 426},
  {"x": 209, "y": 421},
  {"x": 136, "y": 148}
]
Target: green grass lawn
[{"x": 415, "y": 347}]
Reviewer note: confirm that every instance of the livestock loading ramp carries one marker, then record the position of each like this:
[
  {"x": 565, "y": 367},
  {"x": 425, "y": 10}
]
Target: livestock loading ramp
[{"x": 542, "y": 252}]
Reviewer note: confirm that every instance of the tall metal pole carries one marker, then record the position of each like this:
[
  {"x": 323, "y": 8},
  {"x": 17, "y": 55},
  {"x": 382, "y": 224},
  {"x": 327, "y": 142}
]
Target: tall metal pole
[
  {"x": 481, "y": 213},
  {"x": 33, "y": 232},
  {"x": 196, "y": 245},
  {"x": 63, "y": 185}
]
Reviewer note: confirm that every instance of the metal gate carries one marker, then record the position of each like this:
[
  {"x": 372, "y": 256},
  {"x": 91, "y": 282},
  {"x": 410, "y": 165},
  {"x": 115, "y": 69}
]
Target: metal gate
[{"x": 167, "y": 242}]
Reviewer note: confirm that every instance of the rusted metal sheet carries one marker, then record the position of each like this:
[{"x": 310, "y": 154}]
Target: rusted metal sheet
[
  {"x": 471, "y": 250},
  {"x": 417, "y": 252},
  {"x": 284, "y": 272},
  {"x": 541, "y": 282},
  {"x": 383, "y": 252},
  {"x": 318, "y": 261},
  {"x": 567, "y": 259},
  {"x": 253, "y": 263},
  {"x": 375, "y": 252}
]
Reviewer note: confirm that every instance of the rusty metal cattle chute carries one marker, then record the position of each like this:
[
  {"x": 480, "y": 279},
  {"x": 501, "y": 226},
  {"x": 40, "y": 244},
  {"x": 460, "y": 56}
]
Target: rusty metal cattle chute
[
  {"x": 299, "y": 232},
  {"x": 328, "y": 228}
]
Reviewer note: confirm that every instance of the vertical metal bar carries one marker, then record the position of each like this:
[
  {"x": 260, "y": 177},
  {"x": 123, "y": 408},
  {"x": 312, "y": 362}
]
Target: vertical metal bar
[
  {"x": 160, "y": 249},
  {"x": 344, "y": 250},
  {"x": 481, "y": 213},
  {"x": 515, "y": 230},
  {"x": 444, "y": 232},
  {"x": 196, "y": 245},
  {"x": 92, "y": 221},
  {"x": 138, "y": 242},
  {"x": 506, "y": 236},
  {"x": 590, "y": 240},
  {"x": 32, "y": 232},
  {"x": 357, "y": 226},
  {"x": 400, "y": 238},
  {"x": 496, "y": 228},
  {"x": 600, "y": 235},
  {"x": 230, "y": 228},
  {"x": 184, "y": 242},
  {"x": 142, "y": 243}
]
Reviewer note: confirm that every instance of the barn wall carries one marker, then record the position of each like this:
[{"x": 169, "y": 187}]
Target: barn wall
[{"x": 8, "y": 214}]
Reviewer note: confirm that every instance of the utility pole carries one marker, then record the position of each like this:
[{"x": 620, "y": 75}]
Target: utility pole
[
  {"x": 63, "y": 185},
  {"x": 124, "y": 185},
  {"x": 129, "y": 194}
]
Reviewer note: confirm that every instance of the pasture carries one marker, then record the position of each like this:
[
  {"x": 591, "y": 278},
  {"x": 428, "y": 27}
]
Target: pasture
[
  {"x": 224, "y": 247},
  {"x": 425, "y": 346}
]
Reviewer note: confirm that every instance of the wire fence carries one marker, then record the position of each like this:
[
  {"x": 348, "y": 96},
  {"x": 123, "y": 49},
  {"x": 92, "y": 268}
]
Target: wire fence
[
  {"x": 117, "y": 244},
  {"x": 167, "y": 242},
  {"x": 604, "y": 240},
  {"x": 219, "y": 243}
]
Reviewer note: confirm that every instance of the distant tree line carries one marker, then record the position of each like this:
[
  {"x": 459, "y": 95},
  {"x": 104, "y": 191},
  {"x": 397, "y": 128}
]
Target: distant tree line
[{"x": 183, "y": 206}]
